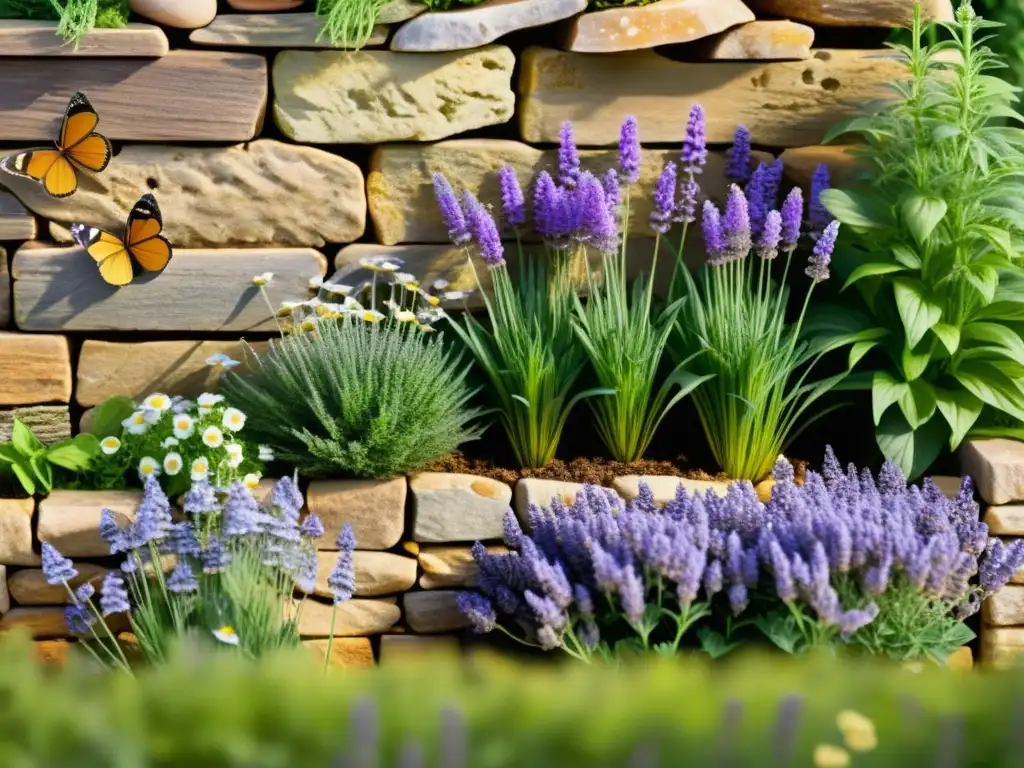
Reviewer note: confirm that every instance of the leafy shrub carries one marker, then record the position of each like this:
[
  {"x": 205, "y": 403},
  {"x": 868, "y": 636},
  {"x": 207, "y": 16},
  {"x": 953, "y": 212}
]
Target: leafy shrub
[
  {"x": 236, "y": 566},
  {"x": 348, "y": 23},
  {"x": 840, "y": 562},
  {"x": 357, "y": 398},
  {"x": 31, "y": 464},
  {"x": 934, "y": 234}
]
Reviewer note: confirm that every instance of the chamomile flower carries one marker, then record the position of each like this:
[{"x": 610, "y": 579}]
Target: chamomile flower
[
  {"x": 233, "y": 419},
  {"x": 251, "y": 480},
  {"x": 338, "y": 288},
  {"x": 405, "y": 316},
  {"x": 110, "y": 445},
  {"x": 440, "y": 284},
  {"x": 431, "y": 299},
  {"x": 200, "y": 469},
  {"x": 170, "y": 442},
  {"x": 136, "y": 424},
  {"x": 287, "y": 308},
  {"x": 207, "y": 400},
  {"x": 371, "y": 316},
  {"x": 266, "y": 453},
  {"x": 226, "y": 635},
  {"x": 151, "y": 415},
  {"x": 173, "y": 463},
  {"x": 456, "y": 295},
  {"x": 158, "y": 402},
  {"x": 352, "y": 304},
  {"x": 213, "y": 437},
  {"x": 180, "y": 405},
  {"x": 183, "y": 425},
  {"x": 148, "y": 466},
  {"x": 234, "y": 451},
  {"x": 379, "y": 264},
  {"x": 309, "y": 324},
  {"x": 262, "y": 279},
  {"x": 222, "y": 361}
]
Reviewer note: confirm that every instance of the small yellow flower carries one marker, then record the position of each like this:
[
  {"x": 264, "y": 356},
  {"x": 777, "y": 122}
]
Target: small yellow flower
[
  {"x": 233, "y": 419},
  {"x": 251, "y": 480},
  {"x": 226, "y": 634},
  {"x": 110, "y": 445},
  {"x": 200, "y": 469},
  {"x": 136, "y": 424},
  {"x": 173, "y": 463},
  {"x": 157, "y": 402},
  {"x": 286, "y": 309},
  {"x": 858, "y": 731},
  {"x": 830, "y": 756},
  {"x": 183, "y": 426},
  {"x": 213, "y": 437},
  {"x": 309, "y": 324},
  {"x": 426, "y": 328},
  {"x": 372, "y": 316},
  {"x": 431, "y": 299},
  {"x": 405, "y": 316},
  {"x": 234, "y": 451},
  {"x": 262, "y": 279},
  {"x": 207, "y": 400},
  {"x": 148, "y": 466}
]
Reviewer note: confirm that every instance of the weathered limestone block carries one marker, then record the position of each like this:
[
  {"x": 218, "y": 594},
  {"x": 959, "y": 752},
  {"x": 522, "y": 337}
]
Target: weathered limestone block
[
  {"x": 398, "y": 11},
  {"x": 801, "y": 162},
  {"x": 28, "y": 586},
  {"x": 34, "y": 369},
  {"x": 5, "y": 595},
  {"x": 1001, "y": 647},
  {"x": 20, "y": 37},
  {"x": 375, "y": 508},
  {"x": 377, "y": 573},
  {"x": 224, "y": 100},
  {"x": 368, "y": 97},
  {"x": 446, "y": 567},
  {"x": 412, "y": 649},
  {"x": 50, "y": 423},
  {"x": 453, "y": 507},
  {"x": 16, "y": 532},
  {"x": 201, "y": 290},
  {"x": 784, "y": 104},
  {"x": 401, "y": 195},
  {"x": 1007, "y": 520},
  {"x": 183, "y": 14},
  {"x": 666, "y": 22},
  {"x": 355, "y": 618},
  {"x": 664, "y": 487},
  {"x": 69, "y": 520},
  {"x": 220, "y": 196},
  {"x": 43, "y": 622},
  {"x": 536, "y": 492},
  {"x": 285, "y": 30},
  {"x": 106, "y": 369},
  {"x": 16, "y": 223},
  {"x": 1005, "y": 608},
  {"x": 761, "y": 41},
  {"x": 434, "y": 611},
  {"x": 997, "y": 468},
  {"x": 854, "y": 13},
  {"x": 346, "y": 652},
  {"x": 478, "y": 25}
]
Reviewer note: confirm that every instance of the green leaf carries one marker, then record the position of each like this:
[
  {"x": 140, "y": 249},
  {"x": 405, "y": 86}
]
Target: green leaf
[
  {"x": 713, "y": 643},
  {"x": 997, "y": 334},
  {"x": 922, "y": 214},
  {"x": 855, "y": 209},
  {"x": 906, "y": 256},
  {"x": 918, "y": 311},
  {"x": 913, "y": 450},
  {"x": 885, "y": 390},
  {"x": 74, "y": 454},
  {"x": 984, "y": 279},
  {"x": 949, "y": 335},
  {"x": 25, "y": 478},
  {"x": 870, "y": 269},
  {"x": 990, "y": 385},
  {"x": 858, "y": 350},
  {"x": 960, "y": 410},
  {"x": 23, "y": 439},
  {"x": 915, "y": 363},
  {"x": 107, "y": 418},
  {"x": 998, "y": 238},
  {"x": 43, "y": 471},
  {"x": 781, "y": 629},
  {"x": 917, "y": 403}
]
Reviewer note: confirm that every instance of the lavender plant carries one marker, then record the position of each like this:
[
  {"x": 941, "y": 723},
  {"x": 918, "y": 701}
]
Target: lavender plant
[
  {"x": 233, "y": 568},
  {"x": 843, "y": 562}
]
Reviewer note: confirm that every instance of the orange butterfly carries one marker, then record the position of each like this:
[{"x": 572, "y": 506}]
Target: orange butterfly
[
  {"x": 78, "y": 144},
  {"x": 143, "y": 247}
]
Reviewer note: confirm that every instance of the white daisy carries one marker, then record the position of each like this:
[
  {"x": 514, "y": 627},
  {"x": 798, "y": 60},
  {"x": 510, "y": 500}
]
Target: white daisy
[
  {"x": 440, "y": 284},
  {"x": 213, "y": 437},
  {"x": 110, "y": 445},
  {"x": 379, "y": 264},
  {"x": 148, "y": 466},
  {"x": 233, "y": 419},
  {"x": 136, "y": 424},
  {"x": 371, "y": 316},
  {"x": 170, "y": 442},
  {"x": 184, "y": 426},
  {"x": 339, "y": 288},
  {"x": 173, "y": 463},
  {"x": 222, "y": 360},
  {"x": 207, "y": 400},
  {"x": 405, "y": 316},
  {"x": 157, "y": 402},
  {"x": 200, "y": 469},
  {"x": 180, "y": 405},
  {"x": 151, "y": 415},
  {"x": 226, "y": 635},
  {"x": 234, "y": 451},
  {"x": 266, "y": 453},
  {"x": 251, "y": 480},
  {"x": 262, "y": 279},
  {"x": 455, "y": 295}
]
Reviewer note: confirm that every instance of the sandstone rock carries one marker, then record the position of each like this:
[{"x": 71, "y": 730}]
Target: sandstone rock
[
  {"x": 16, "y": 223},
  {"x": 645, "y": 26},
  {"x": 201, "y": 290},
  {"x": 346, "y": 652},
  {"x": 34, "y": 369},
  {"x": 137, "y": 369},
  {"x": 220, "y": 196},
  {"x": 356, "y": 618},
  {"x": 764, "y": 489},
  {"x": 1005, "y": 607},
  {"x": 961, "y": 660},
  {"x": 16, "y": 532},
  {"x": 412, "y": 649},
  {"x": 452, "y": 507},
  {"x": 5, "y": 595},
  {"x": 447, "y": 567},
  {"x": 368, "y": 97},
  {"x": 264, "y": 5},
  {"x": 377, "y": 573},
  {"x": 854, "y": 13},
  {"x": 375, "y": 508},
  {"x": 761, "y": 41},
  {"x": 784, "y": 104},
  {"x": 183, "y": 14},
  {"x": 401, "y": 195},
  {"x": 435, "y": 611},
  {"x": 69, "y": 520},
  {"x": 1006, "y": 520},
  {"x": 20, "y": 37},
  {"x": 478, "y": 25},
  {"x": 134, "y": 97},
  {"x": 28, "y": 586},
  {"x": 532, "y": 491},
  {"x": 5, "y": 288},
  {"x": 52, "y": 652},
  {"x": 801, "y": 162},
  {"x": 398, "y": 11},
  {"x": 48, "y": 622},
  {"x": 1001, "y": 647},
  {"x": 286, "y": 30},
  {"x": 665, "y": 488},
  {"x": 997, "y": 468},
  {"x": 949, "y": 485},
  {"x": 50, "y": 423}
]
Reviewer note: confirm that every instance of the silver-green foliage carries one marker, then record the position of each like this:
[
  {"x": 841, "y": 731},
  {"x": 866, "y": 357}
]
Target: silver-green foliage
[
  {"x": 357, "y": 399},
  {"x": 934, "y": 233}
]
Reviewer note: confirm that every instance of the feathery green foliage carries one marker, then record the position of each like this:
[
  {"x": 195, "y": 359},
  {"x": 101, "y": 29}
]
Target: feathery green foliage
[
  {"x": 76, "y": 17},
  {"x": 357, "y": 399},
  {"x": 349, "y": 23},
  {"x": 1008, "y": 44}
]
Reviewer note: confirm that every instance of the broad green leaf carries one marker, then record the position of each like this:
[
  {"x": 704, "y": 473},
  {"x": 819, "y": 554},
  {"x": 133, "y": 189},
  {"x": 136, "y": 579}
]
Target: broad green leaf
[
  {"x": 25, "y": 478},
  {"x": 43, "y": 471},
  {"x": 713, "y": 643},
  {"x": 915, "y": 363},
  {"x": 922, "y": 214},
  {"x": 855, "y": 209},
  {"x": 858, "y": 350},
  {"x": 960, "y": 410},
  {"x": 109, "y": 414},
  {"x": 885, "y": 390},
  {"x": 917, "y": 403},
  {"x": 990, "y": 385},
  {"x": 870, "y": 269},
  {"x": 984, "y": 279},
  {"x": 906, "y": 256},
  {"x": 9, "y": 454},
  {"x": 918, "y": 311},
  {"x": 913, "y": 450},
  {"x": 998, "y": 238},
  {"x": 74, "y": 454},
  {"x": 856, "y": 382},
  {"x": 997, "y": 334},
  {"x": 949, "y": 335},
  {"x": 23, "y": 439}
]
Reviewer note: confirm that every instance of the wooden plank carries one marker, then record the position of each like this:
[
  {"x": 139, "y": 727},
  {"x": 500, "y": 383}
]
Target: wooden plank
[
  {"x": 201, "y": 290},
  {"x": 19, "y": 37},
  {"x": 274, "y": 30},
  {"x": 16, "y": 223},
  {"x": 183, "y": 96}
]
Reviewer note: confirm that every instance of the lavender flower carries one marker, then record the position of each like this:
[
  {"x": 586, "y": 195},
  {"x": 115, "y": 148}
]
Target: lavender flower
[
  {"x": 597, "y": 226},
  {"x": 56, "y": 568},
  {"x": 311, "y": 527},
  {"x": 182, "y": 541},
  {"x": 757, "y": 199},
  {"x": 664, "y": 200},
  {"x": 817, "y": 267},
  {"x": 818, "y": 215},
  {"x": 485, "y": 231},
  {"x": 714, "y": 238},
  {"x": 112, "y": 533},
  {"x": 792, "y": 218},
  {"x": 241, "y": 515},
  {"x": 736, "y": 225},
  {"x": 568, "y": 157},
  {"x": 511, "y": 530},
  {"x": 182, "y": 580},
  {"x": 771, "y": 236},
  {"x": 695, "y": 146},
  {"x": 342, "y": 579},
  {"x": 79, "y": 619},
  {"x": 113, "y": 595},
  {"x": 84, "y": 592},
  {"x": 451, "y": 211},
  {"x": 737, "y": 169},
  {"x": 545, "y": 204},
  {"x": 478, "y": 610},
  {"x": 200, "y": 499},
  {"x": 629, "y": 151},
  {"x": 215, "y": 558},
  {"x": 305, "y": 577},
  {"x": 610, "y": 182},
  {"x": 513, "y": 203}
]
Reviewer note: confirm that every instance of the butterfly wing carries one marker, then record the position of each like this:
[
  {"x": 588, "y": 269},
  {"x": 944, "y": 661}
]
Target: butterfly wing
[
  {"x": 78, "y": 139},
  {"x": 147, "y": 246},
  {"x": 48, "y": 166},
  {"x": 108, "y": 251}
]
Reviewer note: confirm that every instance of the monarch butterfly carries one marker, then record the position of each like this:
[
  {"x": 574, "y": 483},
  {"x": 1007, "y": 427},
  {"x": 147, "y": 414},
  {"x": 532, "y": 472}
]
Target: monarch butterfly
[
  {"x": 143, "y": 247},
  {"x": 78, "y": 144}
]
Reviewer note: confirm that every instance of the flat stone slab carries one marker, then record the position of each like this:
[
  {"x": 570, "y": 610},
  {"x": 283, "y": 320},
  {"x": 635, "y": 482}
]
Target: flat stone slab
[
  {"x": 1006, "y": 520},
  {"x": 215, "y": 197},
  {"x": 1004, "y": 608},
  {"x": 434, "y": 611},
  {"x": 346, "y": 652},
  {"x": 445, "y": 567},
  {"x": 665, "y": 22},
  {"x": 48, "y": 622},
  {"x": 398, "y": 11},
  {"x": 34, "y": 369},
  {"x": 779, "y": 40},
  {"x": 16, "y": 223},
  {"x": 275, "y": 30},
  {"x": 450, "y": 507},
  {"x": 400, "y": 188},
  {"x": 20, "y": 37},
  {"x": 50, "y": 423},
  {"x": 997, "y": 468},
  {"x": 224, "y": 100},
  {"x": 137, "y": 369},
  {"x": 854, "y": 13},
  {"x": 784, "y": 104},
  {"x": 478, "y": 25},
  {"x": 5, "y": 596},
  {"x": 536, "y": 492},
  {"x": 16, "y": 532},
  {"x": 1001, "y": 647},
  {"x": 181, "y": 14},
  {"x": 69, "y": 520},
  {"x": 377, "y": 573},
  {"x": 664, "y": 487},
  {"x": 412, "y": 649},
  {"x": 375, "y": 508},
  {"x": 801, "y": 162},
  {"x": 28, "y": 586},
  {"x": 264, "y": 6},
  {"x": 201, "y": 290},
  {"x": 355, "y": 618},
  {"x": 369, "y": 97}
]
